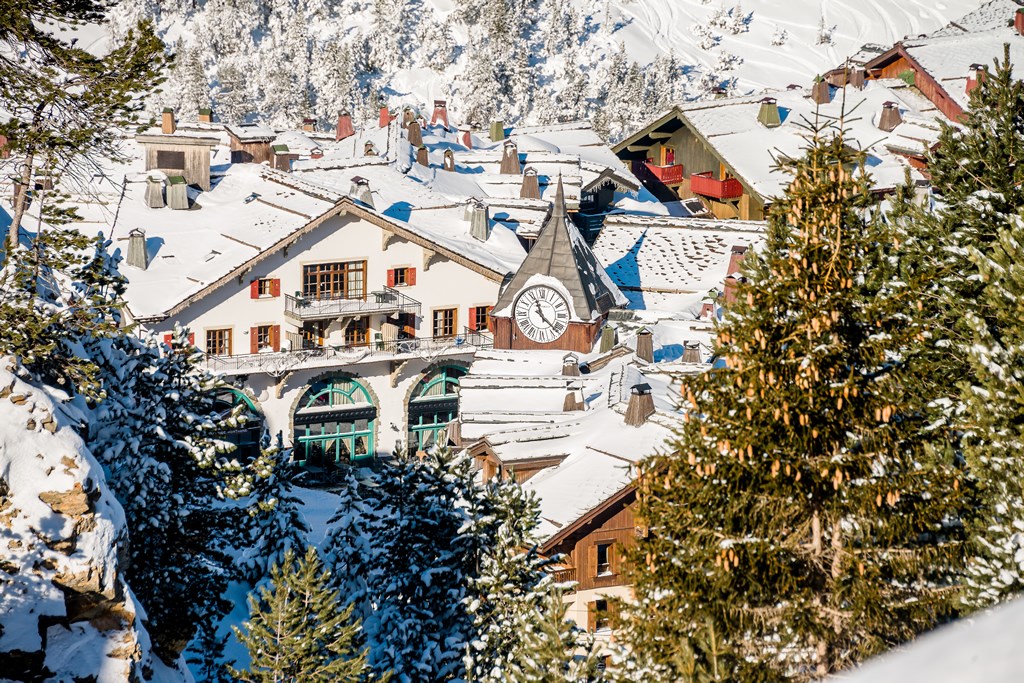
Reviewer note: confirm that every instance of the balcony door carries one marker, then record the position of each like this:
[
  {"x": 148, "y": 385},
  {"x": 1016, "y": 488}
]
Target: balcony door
[
  {"x": 344, "y": 280},
  {"x": 668, "y": 155}
]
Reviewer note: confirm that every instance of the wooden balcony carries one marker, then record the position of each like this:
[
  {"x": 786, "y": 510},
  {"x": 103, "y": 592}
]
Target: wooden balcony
[
  {"x": 705, "y": 184},
  {"x": 566, "y": 575},
  {"x": 666, "y": 174},
  {"x": 386, "y": 301},
  {"x": 279, "y": 363}
]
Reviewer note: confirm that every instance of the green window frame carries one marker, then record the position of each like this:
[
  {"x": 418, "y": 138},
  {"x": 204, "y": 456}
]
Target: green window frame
[
  {"x": 434, "y": 404},
  {"x": 335, "y": 422}
]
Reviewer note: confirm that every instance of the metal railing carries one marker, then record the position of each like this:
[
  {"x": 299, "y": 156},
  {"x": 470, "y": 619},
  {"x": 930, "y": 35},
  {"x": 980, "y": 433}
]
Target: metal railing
[
  {"x": 280, "y": 362},
  {"x": 387, "y": 300}
]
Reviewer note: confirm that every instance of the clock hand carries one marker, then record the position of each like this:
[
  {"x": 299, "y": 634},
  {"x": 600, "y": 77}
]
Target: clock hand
[{"x": 540, "y": 312}]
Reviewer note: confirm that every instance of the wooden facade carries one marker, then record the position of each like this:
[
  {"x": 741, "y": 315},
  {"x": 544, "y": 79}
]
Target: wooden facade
[
  {"x": 896, "y": 62},
  {"x": 246, "y": 150},
  {"x": 578, "y": 337},
  {"x": 178, "y": 155}
]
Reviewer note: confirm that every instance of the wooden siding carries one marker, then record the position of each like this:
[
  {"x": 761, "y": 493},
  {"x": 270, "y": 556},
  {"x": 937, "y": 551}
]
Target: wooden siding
[
  {"x": 617, "y": 529},
  {"x": 895, "y": 64},
  {"x": 693, "y": 154},
  {"x": 249, "y": 152},
  {"x": 197, "y": 162},
  {"x": 579, "y": 337}
]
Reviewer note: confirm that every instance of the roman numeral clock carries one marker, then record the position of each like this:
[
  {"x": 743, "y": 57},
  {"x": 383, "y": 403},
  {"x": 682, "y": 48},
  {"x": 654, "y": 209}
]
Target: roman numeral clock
[{"x": 542, "y": 314}]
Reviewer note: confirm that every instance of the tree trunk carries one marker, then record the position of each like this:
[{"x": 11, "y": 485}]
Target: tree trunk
[{"x": 20, "y": 203}]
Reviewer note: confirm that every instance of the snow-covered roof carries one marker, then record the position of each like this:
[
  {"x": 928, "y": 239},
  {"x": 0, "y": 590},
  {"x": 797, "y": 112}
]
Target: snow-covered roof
[
  {"x": 993, "y": 14},
  {"x": 671, "y": 263},
  {"x": 731, "y": 128},
  {"x": 297, "y": 142}
]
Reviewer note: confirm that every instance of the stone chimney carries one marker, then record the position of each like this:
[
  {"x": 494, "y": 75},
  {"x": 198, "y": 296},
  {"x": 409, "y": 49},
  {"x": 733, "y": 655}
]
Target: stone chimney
[
  {"x": 466, "y": 136},
  {"x": 571, "y": 365},
  {"x": 440, "y": 113},
  {"x": 768, "y": 114},
  {"x": 645, "y": 345},
  {"x": 890, "y": 117},
  {"x": 205, "y": 115},
  {"x": 820, "y": 92},
  {"x": 138, "y": 256},
  {"x": 479, "y": 220},
  {"x": 531, "y": 184},
  {"x": 449, "y": 160},
  {"x": 414, "y": 134},
  {"x": 360, "y": 191},
  {"x": 858, "y": 75},
  {"x": 975, "y": 75},
  {"x": 641, "y": 405},
  {"x": 422, "y": 157},
  {"x": 167, "y": 123},
  {"x": 344, "y": 128},
  {"x": 1018, "y": 21},
  {"x": 510, "y": 159},
  {"x": 497, "y": 131},
  {"x": 385, "y": 116},
  {"x": 308, "y": 125}
]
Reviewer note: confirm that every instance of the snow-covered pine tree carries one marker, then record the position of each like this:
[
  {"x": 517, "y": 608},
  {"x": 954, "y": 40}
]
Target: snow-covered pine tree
[
  {"x": 797, "y": 525},
  {"x": 187, "y": 90},
  {"x": 298, "y": 631},
  {"x": 231, "y": 95}
]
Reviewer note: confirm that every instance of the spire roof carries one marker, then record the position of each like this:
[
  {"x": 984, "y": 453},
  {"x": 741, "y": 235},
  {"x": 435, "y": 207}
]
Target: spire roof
[{"x": 561, "y": 252}]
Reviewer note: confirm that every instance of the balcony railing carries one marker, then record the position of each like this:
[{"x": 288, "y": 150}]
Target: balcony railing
[
  {"x": 386, "y": 301},
  {"x": 278, "y": 363},
  {"x": 565, "y": 575},
  {"x": 705, "y": 184},
  {"x": 673, "y": 173}
]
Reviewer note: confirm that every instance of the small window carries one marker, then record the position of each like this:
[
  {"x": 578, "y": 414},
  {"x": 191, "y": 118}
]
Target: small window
[
  {"x": 601, "y": 620},
  {"x": 264, "y": 340},
  {"x": 170, "y": 160},
  {"x": 356, "y": 334},
  {"x": 444, "y": 322},
  {"x": 401, "y": 277},
  {"x": 264, "y": 288},
  {"x": 480, "y": 317},
  {"x": 218, "y": 342},
  {"x": 604, "y": 558}
]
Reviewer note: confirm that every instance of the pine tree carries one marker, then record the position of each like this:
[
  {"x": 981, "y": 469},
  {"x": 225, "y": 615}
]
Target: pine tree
[
  {"x": 801, "y": 521},
  {"x": 297, "y": 630}
]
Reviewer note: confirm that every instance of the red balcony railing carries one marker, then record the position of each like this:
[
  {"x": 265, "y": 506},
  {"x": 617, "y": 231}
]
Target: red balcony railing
[
  {"x": 666, "y": 174},
  {"x": 705, "y": 184}
]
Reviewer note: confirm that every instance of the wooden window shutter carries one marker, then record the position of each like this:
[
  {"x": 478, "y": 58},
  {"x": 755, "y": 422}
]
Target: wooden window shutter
[
  {"x": 254, "y": 289},
  {"x": 275, "y": 287},
  {"x": 592, "y": 616},
  {"x": 472, "y": 318},
  {"x": 167, "y": 338},
  {"x": 592, "y": 561},
  {"x": 192, "y": 338},
  {"x": 613, "y": 557},
  {"x": 410, "y": 276},
  {"x": 391, "y": 277},
  {"x": 275, "y": 337},
  {"x": 254, "y": 340}
]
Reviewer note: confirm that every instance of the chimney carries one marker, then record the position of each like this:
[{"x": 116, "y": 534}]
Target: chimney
[
  {"x": 360, "y": 191},
  {"x": 167, "y": 124},
  {"x": 316, "y": 153},
  {"x": 890, "y": 117},
  {"x": 1018, "y": 21},
  {"x": 608, "y": 339},
  {"x": 531, "y": 184},
  {"x": 645, "y": 345},
  {"x": 206, "y": 115},
  {"x": 408, "y": 116},
  {"x": 154, "y": 193},
  {"x": 857, "y": 77},
  {"x": 691, "y": 352},
  {"x": 422, "y": 158},
  {"x": 414, "y": 134},
  {"x": 385, "y": 116},
  {"x": 735, "y": 259},
  {"x": 975, "y": 75},
  {"x": 820, "y": 92},
  {"x": 369, "y": 149},
  {"x": 440, "y": 113},
  {"x": 497, "y": 131},
  {"x": 344, "y": 128},
  {"x": 510, "y": 159},
  {"x": 571, "y": 403},
  {"x": 449, "y": 160},
  {"x": 641, "y": 405},
  {"x": 571, "y": 365},
  {"x": 707, "y": 310},
  {"x": 720, "y": 92},
  {"x": 768, "y": 114},
  {"x": 138, "y": 257},
  {"x": 466, "y": 136},
  {"x": 479, "y": 221}
]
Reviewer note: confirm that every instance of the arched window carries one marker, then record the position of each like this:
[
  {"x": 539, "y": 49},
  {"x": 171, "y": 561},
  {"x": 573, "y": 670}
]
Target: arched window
[
  {"x": 334, "y": 423},
  {"x": 247, "y": 433},
  {"x": 434, "y": 404}
]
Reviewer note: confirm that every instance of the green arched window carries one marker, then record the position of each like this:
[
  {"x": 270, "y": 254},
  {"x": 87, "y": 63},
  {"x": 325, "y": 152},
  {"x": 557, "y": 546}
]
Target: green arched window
[
  {"x": 334, "y": 423},
  {"x": 434, "y": 404},
  {"x": 248, "y": 431}
]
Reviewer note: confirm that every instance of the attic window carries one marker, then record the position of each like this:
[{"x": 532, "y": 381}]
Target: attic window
[{"x": 212, "y": 255}]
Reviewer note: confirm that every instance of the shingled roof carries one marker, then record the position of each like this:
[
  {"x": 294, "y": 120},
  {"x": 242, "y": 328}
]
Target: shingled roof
[{"x": 560, "y": 252}]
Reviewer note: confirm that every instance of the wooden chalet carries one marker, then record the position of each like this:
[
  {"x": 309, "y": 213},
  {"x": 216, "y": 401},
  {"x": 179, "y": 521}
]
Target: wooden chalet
[
  {"x": 251, "y": 144},
  {"x": 184, "y": 153}
]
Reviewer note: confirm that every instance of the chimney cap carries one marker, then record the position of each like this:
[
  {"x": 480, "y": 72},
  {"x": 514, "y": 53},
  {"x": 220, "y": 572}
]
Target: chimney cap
[
  {"x": 889, "y": 104},
  {"x": 977, "y": 67},
  {"x": 440, "y": 103},
  {"x": 168, "y": 110},
  {"x": 205, "y": 110},
  {"x": 791, "y": 86},
  {"x": 641, "y": 389},
  {"x": 137, "y": 231},
  {"x": 359, "y": 180},
  {"x": 768, "y": 100},
  {"x": 739, "y": 249},
  {"x": 570, "y": 358}
]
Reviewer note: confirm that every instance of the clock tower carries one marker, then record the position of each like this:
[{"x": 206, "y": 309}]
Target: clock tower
[{"x": 560, "y": 296}]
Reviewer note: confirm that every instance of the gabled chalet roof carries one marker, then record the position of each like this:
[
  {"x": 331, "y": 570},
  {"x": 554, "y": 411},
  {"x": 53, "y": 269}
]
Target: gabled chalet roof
[
  {"x": 252, "y": 132},
  {"x": 992, "y": 14},
  {"x": 560, "y": 252}
]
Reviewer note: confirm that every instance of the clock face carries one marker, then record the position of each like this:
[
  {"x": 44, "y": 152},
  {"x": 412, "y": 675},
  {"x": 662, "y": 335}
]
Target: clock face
[{"x": 542, "y": 314}]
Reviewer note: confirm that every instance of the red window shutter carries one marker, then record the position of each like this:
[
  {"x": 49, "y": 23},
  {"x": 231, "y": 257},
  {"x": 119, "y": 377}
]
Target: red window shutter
[
  {"x": 275, "y": 337},
  {"x": 254, "y": 338},
  {"x": 275, "y": 287},
  {"x": 167, "y": 338},
  {"x": 192, "y": 338},
  {"x": 254, "y": 289},
  {"x": 391, "y": 277},
  {"x": 472, "y": 318},
  {"x": 410, "y": 276}
]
